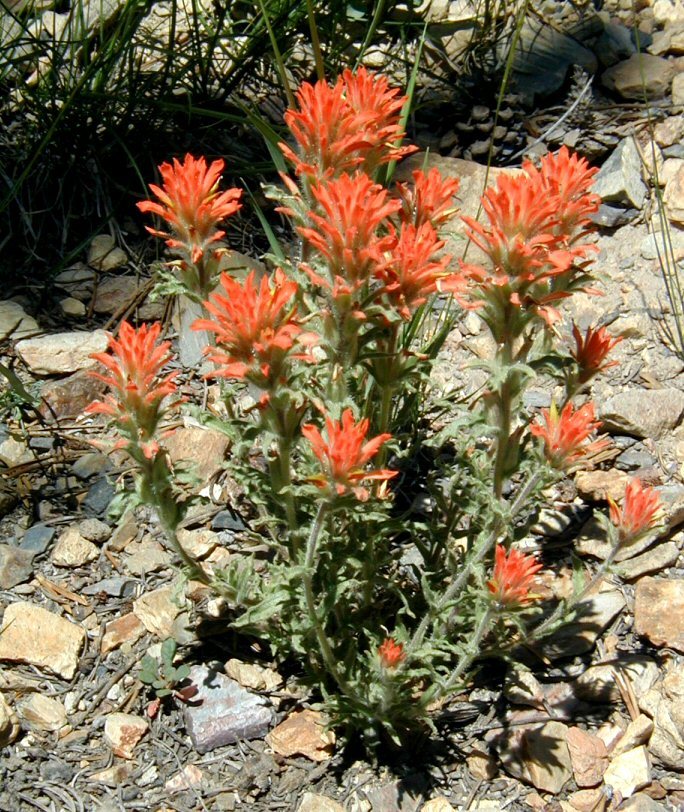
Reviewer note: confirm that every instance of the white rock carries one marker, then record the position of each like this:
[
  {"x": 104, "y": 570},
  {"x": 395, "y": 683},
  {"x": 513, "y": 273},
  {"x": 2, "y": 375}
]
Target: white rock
[
  {"x": 61, "y": 353},
  {"x": 72, "y": 307},
  {"x": 72, "y": 550},
  {"x": 13, "y": 452},
  {"x": 9, "y": 724},
  {"x": 42, "y": 713},
  {"x": 629, "y": 772},
  {"x": 157, "y": 611}
]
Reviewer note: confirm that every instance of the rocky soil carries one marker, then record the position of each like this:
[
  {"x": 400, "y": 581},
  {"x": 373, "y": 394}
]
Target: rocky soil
[{"x": 597, "y": 724}]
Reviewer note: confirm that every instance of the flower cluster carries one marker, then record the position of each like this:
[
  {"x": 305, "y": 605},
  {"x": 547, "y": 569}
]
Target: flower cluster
[
  {"x": 640, "y": 511},
  {"x": 538, "y": 224},
  {"x": 353, "y": 124},
  {"x": 512, "y": 577}
]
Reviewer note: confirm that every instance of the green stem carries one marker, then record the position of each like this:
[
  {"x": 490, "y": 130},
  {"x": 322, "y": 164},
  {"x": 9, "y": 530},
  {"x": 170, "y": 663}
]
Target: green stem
[
  {"x": 479, "y": 554},
  {"x": 504, "y": 418},
  {"x": 323, "y": 643},
  {"x": 470, "y": 654}
]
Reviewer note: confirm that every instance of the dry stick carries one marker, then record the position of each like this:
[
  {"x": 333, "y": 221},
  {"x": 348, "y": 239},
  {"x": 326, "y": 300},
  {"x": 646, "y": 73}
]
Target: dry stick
[{"x": 118, "y": 675}]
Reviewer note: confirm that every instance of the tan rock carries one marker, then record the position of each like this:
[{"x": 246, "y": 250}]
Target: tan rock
[
  {"x": 597, "y": 486},
  {"x": 302, "y": 733},
  {"x": 669, "y": 131},
  {"x": 9, "y": 723},
  {"x": 123, "y": 731},
  {"x": 678, "y": 89},
  {"x": 204, "y": 448},
  {"x": 312, "y": 802},
  {"x": 656, "y": 559},
  {"x": 105, "y": 255},
  {"x": 189, "y": 776},
  {"x": 199, "y": 543},
  {"x": 146, "y": 556},
  {"x": 629, "y": 772},
  {"x": 638, "y": 732},
  {"x": 14, "y": 452},
  {"x": 72, "y": 307},
  {"x": 42, "y": 713},
  {"x": 60, "y": 353},
  {"x": 659, "y": 611},
  {"x": 157, "y": 611},
  {"x": 538, "y": 755},
  {"x": 641, "y": 74},
  {"x": 253, "y": 676},
  {"x": 437, "y": 805},
  {"x": 113, "y": 776},
  {"x": 673, "y": 198},
  {"x": 589, "y": 757},
  {"x": 72, "y": 550},
  {"x": 124, "y": 629},
  {"x": 14, "y": 322},
  {"x": 597, "y": 683},
  {"x": 33, "y": 635},
  {"x": 586, "y": 800}
]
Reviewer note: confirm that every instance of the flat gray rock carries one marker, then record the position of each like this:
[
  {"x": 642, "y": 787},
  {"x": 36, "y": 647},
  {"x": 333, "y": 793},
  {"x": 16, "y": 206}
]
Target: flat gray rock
[
  {"x": 16, "y": 566},
  {"x": 643, "y": 412},
  {"x": 619, "y": 179},
  {"x": 223, "y": 712}
]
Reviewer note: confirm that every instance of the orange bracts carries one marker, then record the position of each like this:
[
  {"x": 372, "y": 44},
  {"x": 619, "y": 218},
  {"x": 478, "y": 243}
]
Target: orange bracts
[
  {"x": 344, "y": 454},
  {"x": 191, "y": 204},
  {"x": 512, "y": 577}
]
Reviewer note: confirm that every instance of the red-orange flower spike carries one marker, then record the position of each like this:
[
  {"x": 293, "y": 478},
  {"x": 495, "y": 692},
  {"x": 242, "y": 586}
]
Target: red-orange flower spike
[
  {"x": 567, "y": 179},
  {"x": 255, "y": 327},
  {"x": 429, "y": 200},
  {"x": 353, "y": 123},
  {"x": 391, "y": 653},
  {"x": 344, "y": 454},
  {"x": 412, "y": 271},
  {"x": 591, "y": 351},
  {"x": 346, "y": 233},
  {"x": 639, "y": 512},
  {"x": 191, "y": 204},
  {"x": 565, "y": 434},
  {"x": 137, "y": 385},
  {"x": 512, "y": 577}
]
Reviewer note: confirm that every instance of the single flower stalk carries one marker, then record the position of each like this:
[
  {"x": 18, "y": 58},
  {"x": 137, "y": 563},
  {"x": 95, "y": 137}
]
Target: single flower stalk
[
  {"x": 344, "y": 454},
  {"x": 566, "y": 434},
  {"x": 512, "y": 577},
  {"x": 591, "y": 351},
  {"x": 430, "y": 199},
  {"x": 353, "y": 124},
  {"x": 391, "y": 654},
  {"x": 640, "y": 511},
  {"x": 256, "y": 327},
  {"x": 190, "y": 202},
  {"x": 138, "y": 386}
]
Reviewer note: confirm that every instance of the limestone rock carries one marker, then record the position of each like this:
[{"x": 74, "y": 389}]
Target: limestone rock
[
  {"x": 31, "y": 634},
  {"x": 638, "y": 732},
  {"x": 659, "y": 611},
  {"x": 16, "y": 566},
  {"x": 641, "y": 73},
  {"x": 674, "y": 195},
  {"x": 643, "y": 412},
  {"x": 656, "y": 559},
  {"x": 255, "y": 677},
  {"x": 123, "y": 731},
  {"x": 302, "y": 733},
  {"x": 597, "y": 486},
  {"x": 72, "y": 550},
  {"x": 629, "y": 772},
  {"x": 597, "y": 683},
  {"x": 9, "y": 723},
  {"x": 189, "y": 776},
  {"x": 61, "y": 353},
  {"x": 668, "y": 12},
  {"x": 42, "y": 713},
  {"x": 538, "y": 755},
  {"x": 223, "y": 712},
  {"x": 14, "y": 452},
  {"x": 678, "y": 89},
  {"x": 105, "y": 255},
  {"x": 669, "y": 131},
  {"x": 157, "y": 611},
  {"x": 619, "y": 179},
  {"x": 15, "y": 323},
  {"x": 204, "y": 448},
  {"x": 72, "y": 307},
  {"x": 146, "y": 556},
  {"x": 589, "y": 757}
]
